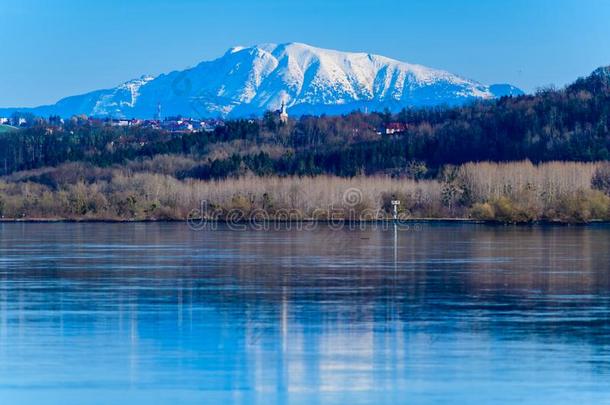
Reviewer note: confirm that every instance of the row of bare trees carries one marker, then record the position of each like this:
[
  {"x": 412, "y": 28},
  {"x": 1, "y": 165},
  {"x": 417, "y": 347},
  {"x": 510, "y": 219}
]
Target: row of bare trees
[{"x": 508, "y": 192}]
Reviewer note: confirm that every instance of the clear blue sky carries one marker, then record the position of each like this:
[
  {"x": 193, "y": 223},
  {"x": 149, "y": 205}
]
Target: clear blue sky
[{"x": 52, "y": 49}]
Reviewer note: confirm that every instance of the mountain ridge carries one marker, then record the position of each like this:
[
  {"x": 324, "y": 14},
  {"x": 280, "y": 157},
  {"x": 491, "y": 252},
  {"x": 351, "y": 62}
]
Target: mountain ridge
[{"x": 248, "y": 81}]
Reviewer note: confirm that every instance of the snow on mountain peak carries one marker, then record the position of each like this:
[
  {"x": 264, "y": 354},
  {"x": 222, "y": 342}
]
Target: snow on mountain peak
[{"x": 310, "y": 80}]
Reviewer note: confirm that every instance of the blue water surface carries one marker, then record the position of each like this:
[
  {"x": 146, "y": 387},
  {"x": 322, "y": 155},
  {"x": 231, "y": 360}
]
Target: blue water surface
[{"x": 156, "y": 313}]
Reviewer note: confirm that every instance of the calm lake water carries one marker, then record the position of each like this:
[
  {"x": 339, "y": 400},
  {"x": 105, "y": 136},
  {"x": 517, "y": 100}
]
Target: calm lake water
[{"x": 160, "y": 314}]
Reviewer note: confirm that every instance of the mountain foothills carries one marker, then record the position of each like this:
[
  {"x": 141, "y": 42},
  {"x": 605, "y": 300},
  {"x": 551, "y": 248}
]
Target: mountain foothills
[
  {"x": 249, "y": 81},
  {"x": 514, "y": 159}
]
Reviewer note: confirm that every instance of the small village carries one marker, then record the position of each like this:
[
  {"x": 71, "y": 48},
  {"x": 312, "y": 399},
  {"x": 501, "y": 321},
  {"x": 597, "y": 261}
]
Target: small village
[{"x": 170, "y": 124}]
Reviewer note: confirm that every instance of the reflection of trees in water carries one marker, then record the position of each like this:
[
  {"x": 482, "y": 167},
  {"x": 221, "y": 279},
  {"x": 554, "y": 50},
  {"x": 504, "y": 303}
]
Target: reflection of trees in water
[{"x": 300, "y": 286}]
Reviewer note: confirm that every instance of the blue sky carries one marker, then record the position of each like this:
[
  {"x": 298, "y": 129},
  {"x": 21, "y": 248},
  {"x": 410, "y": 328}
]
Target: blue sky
[{"x": 52, "y": 49}]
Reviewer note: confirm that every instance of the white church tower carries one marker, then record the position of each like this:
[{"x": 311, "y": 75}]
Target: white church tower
[{"x": 283, "y": 113}]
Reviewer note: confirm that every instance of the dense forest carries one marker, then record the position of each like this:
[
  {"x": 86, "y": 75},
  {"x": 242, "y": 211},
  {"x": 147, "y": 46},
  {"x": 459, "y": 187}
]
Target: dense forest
[{"x": 570, "y": 124}]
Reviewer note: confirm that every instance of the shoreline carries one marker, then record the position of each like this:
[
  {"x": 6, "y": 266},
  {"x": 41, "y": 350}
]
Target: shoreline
[{"x": 307, "y": 220}]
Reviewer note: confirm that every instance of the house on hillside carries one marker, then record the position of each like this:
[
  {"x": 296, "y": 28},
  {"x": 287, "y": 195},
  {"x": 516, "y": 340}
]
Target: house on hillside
[
  {"x": 119, "y": 122},
  {"x": 393, "y": 128},
  {"x": 177, "y": 124},
  {"x": 153, "y": 124}
]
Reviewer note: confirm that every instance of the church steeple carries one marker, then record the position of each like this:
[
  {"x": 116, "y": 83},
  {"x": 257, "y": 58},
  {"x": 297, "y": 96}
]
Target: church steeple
[{"x": 283, "y": 113}]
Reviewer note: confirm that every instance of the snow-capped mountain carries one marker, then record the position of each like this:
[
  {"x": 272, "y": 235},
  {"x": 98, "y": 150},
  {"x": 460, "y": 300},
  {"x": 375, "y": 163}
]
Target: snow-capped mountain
[{"x": 249, "y": 81}]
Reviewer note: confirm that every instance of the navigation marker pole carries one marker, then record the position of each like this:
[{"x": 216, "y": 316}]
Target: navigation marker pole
[{"x": 395, "y": 204}]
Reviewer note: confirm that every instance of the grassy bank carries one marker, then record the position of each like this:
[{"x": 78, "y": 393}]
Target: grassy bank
[{"x": 151, "y": 190}]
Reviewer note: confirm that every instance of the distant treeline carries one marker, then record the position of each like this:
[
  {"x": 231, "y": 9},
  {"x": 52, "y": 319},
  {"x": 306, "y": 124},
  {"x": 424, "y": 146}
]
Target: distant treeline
[{"x": 570, "y": 124}]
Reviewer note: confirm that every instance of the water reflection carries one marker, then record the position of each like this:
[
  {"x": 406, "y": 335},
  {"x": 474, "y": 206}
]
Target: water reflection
[{"x": 158, "y": 313}]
